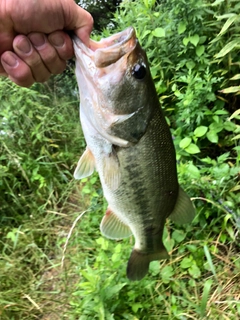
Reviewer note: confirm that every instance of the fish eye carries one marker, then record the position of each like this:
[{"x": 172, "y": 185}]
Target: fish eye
[{"x": 139, "y": 71}]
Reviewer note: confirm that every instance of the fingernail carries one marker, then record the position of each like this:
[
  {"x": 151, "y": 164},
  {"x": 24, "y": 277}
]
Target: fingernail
[
  {"x": 24, "y": 45},
  {"x": 37, "y": 39},
  {"x": 10, "y": 60},
  {"x": 56, "y": 40}
]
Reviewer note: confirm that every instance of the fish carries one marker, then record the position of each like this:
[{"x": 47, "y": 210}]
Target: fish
[{"x": 129, "y": 144}]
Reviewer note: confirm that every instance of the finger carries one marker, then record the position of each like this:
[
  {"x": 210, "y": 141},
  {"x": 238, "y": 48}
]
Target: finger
[
  {"x": 16, "y": 69},
  {"x": 62, "y": 44},
  {"x": 25, "y": 50},
  {"x": 5, "y": 45},
  {"x": 48, "y": 53}
]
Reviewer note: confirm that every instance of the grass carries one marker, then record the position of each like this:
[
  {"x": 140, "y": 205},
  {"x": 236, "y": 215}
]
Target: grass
[{"x": 199, "y": 281}]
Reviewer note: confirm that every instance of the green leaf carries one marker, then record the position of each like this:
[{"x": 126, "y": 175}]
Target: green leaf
[
  {"x": 178, "y": 235},
  {"x": 212, "y": 136},
  {"x": 182, "y": 27},
  {"x": 228, "y": 23},
  {"x": 232, "y": 89},
  {"x": 194, "y": 39},
  {"x": 185, "y": 41},
  {"x": 190, "y": 64},
  {"x": 192, "y": 149},
  {"x": 228, "y": 47},
  {"x": 216, "y": 2},
  {"x": 221, "y": 112},
  {"x": 200, "y": 131},
  {"x": 113, "y": 290},
  {"x": 209, "y": 260},
  {"x": 145, "y": 33},
  {"x": 136, "y": 306},
  {"x": 159, "y": 33},
  {"x": 186, "y": 263},
  {"x": 194, "y": 271},
  {"x": 235, "y": 114},
  {"x": 236, "y": 77},
  {"x": 229, "y": 126},
  {"x": 225, "y": 16},
  {"x": 193, "y": 171},
  {"x": 169, "y": 244},
  {"x": 154, "y": 267},
  {"x": 200, "y": 50},
  {"x": 205, "y": 295},
  {"x": 216, "y": 127},
  {"x": 166, "y": 273},
  {"x": 185, "y": 142}
]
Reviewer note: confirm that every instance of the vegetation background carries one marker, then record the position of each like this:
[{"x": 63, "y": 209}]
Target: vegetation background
[{"x": 54, "y": 263}]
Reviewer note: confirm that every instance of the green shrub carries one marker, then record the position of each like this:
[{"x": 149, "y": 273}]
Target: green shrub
[{"x": 40, "y": 137}]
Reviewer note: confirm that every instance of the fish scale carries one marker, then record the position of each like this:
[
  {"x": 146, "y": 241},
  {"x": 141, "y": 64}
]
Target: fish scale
[{"x": 129, "y": 144}]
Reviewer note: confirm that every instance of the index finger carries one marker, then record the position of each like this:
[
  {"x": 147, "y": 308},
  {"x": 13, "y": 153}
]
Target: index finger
[{"x": 6, "y": 40}]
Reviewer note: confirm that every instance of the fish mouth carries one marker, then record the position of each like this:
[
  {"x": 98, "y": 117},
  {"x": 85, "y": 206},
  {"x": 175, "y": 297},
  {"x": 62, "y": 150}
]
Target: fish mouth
[{"x": 109, "y": 50}]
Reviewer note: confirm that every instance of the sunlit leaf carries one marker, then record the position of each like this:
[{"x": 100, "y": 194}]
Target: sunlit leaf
[
  {"x": 235, "y": 114},
  {"x": 200, "y": 131},
  {"x": 193, "y": 171},
  {"x": 194, "y": 39},
  {"x": 185, "y": 41},
  {"x": 186, "y": 263},
  {"x": 194, "y": 271},
  {"x": 228, "y": 23},
  {"x": 212, "y": 136},
  {"x": 185, "y": 142},
  {"x": 159, "y": 33},
  {"x": 182, "y": 27},
  {"x": 192, "y": 149},
  {"x": 236, "y": 77},
  {"x": 178, "y": 235},
  {"x": 200, "y": 50},
  {"x": 231, "y": 89},
  {"x": 228, "y": 47}
]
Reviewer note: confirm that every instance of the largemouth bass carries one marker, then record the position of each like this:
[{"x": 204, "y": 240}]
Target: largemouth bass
[{"x": 130, "y": 145}]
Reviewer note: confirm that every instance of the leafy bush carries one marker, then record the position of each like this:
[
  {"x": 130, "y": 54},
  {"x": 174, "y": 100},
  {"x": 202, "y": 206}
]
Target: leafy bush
[
  {"x": 193, "y": 50},
  {"x": 39, "y": 137}
]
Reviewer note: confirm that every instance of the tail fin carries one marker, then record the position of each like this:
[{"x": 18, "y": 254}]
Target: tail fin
[{"x": 138, "y": 263}]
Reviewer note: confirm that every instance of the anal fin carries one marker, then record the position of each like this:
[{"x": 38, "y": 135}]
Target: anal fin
[
  {"x": 184, "y": 211},
  {"x": 112, "y": 227},
  {"x": 85, "y": 166}
]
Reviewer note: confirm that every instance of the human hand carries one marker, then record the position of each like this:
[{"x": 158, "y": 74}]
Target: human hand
[{"x": 33, "y": 44}]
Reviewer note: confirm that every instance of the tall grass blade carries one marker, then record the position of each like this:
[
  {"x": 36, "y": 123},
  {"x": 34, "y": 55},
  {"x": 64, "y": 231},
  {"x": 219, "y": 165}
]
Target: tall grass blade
[
  {"x": 209, "y": 260},
  {"x": 205, "y": 295}
]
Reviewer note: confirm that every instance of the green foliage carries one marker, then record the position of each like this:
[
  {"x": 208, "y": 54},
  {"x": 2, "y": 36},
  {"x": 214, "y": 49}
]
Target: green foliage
[
  {"x": 38, "y": 137},
  {"x": 102, "y": 11},
  {"x": 193, "y": 50}
]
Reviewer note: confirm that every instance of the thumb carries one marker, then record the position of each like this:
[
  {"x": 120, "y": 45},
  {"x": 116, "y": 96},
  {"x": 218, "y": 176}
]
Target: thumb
[{"x": 81, "y": 23}]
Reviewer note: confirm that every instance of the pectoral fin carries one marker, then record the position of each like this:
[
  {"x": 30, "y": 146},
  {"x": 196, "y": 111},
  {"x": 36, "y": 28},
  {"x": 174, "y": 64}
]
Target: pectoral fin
[
  {"x": 112, "y": 227},
  {"x": 184, "y": 211},
  {"x": 85, "y": 166},
  {"x": 111, "y": 170}
]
